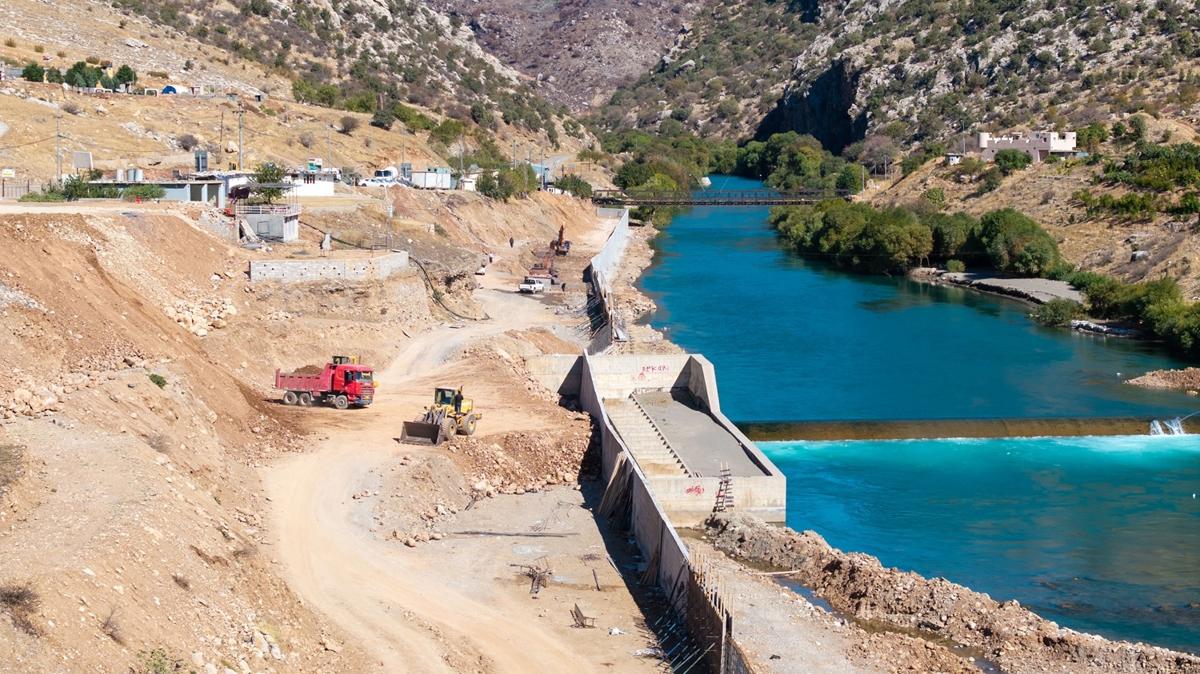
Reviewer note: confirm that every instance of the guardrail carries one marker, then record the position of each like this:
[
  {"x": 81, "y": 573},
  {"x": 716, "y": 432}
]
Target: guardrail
[{"x": 267, "y": 209}]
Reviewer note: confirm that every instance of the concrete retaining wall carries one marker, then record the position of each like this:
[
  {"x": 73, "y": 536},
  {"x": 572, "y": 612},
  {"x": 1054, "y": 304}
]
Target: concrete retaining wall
[
  {"x": 620, "y": 376},
  {"x": 603, "y": 268},
  {"x": 358, "y": 269},
  {"x": 656, "y": 537},
  {"x": 651, "y": 527},
  {"x": 558, "y": 372}
]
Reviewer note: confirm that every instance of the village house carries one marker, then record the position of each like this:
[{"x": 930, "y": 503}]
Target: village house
[{"x": 1038, "y": 145}]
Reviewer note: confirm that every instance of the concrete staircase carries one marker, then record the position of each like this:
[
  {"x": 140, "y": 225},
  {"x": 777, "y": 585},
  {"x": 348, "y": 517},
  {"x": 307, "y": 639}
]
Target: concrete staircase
[{"x": 648, "y": 445}]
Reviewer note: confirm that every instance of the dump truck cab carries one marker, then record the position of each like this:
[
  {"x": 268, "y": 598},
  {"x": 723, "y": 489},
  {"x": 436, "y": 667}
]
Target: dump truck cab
[{"x": 356, "y": 382}]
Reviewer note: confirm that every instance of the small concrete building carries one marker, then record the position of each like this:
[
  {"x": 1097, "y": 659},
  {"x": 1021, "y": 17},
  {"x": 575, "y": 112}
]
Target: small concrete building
[
  {"x": 434, "y": 178},
  {"x": 1038, "y": 145},
  {"x": 273, "y": 221},
  {"x": 184, "y": 190},
  {"x": 313, "y": 181}
]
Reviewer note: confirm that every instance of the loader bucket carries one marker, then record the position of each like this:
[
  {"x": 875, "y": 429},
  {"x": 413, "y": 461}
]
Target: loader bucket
[{"x": 421, "y": 433}]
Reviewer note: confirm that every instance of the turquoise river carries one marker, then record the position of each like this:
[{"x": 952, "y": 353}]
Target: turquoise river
[{"x": 1099, "y": 534}]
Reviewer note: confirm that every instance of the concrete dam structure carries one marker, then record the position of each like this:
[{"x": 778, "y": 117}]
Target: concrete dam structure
[{"x": 665, "y": 414}]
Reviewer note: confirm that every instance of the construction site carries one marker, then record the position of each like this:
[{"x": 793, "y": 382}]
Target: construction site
[{"x": 393, "y": 430}]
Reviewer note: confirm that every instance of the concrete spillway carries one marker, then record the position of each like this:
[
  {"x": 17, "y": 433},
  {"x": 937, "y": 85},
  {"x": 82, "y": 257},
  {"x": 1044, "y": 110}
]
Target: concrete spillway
[{"x": 703, "y": 444}]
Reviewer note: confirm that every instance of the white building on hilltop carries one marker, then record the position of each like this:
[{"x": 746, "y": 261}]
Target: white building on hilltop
[{"x": 1038, "y": 145}]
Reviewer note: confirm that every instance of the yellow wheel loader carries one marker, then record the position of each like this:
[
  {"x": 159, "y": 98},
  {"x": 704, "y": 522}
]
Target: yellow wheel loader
[{"x": 449, "y": 414}]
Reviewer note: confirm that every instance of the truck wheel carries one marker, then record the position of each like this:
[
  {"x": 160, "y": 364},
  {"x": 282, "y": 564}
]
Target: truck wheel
[
  {"x": 467, "y": 427},
  {"x": 289, "y": 398},
  {"x": 306, "y": 399},
  {"x": 341, "y": 402}
]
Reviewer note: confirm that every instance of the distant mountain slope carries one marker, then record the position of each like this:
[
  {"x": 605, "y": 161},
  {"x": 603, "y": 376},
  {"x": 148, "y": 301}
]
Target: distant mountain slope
[
  {"x": 579, "y": 51},
  {"x": 921, "y": 69},
  {"x": 370, "y": 51}
]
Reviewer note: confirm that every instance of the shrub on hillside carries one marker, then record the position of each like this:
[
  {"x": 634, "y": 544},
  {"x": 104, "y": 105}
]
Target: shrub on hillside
[
  {"x": 574, "y": 185},
  {"x": 187, "y": 142},
  {"x": 383, "y": 119},
  {"x": 348, "y": 124},
  {"x": 1015, "y": 243},
  {"x": 34, "y": 73},
  {"x": 1011, "y": 161},
  {"x": 1058, "y": 312}
]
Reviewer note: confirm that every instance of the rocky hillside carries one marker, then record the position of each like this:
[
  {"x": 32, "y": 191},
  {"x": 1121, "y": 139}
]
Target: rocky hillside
[
  {"x": 361, "y": 55},
  {"x": 580, "y": 52},
  {"x": 915, "y": 69}
]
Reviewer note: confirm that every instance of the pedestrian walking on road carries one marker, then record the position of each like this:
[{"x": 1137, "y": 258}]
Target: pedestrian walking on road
[{"x": 510, "y": 242}]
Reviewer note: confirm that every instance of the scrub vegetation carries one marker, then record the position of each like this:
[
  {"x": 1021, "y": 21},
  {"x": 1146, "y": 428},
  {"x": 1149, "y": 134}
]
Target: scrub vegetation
[
  {"x": 1158, "y": 307},
  {"x": 894, "y": 240},
  {"x": 1164, "y": 179}
]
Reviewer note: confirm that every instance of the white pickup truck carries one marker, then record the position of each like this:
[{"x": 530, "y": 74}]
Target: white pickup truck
[{"x": 532, "y": 285}]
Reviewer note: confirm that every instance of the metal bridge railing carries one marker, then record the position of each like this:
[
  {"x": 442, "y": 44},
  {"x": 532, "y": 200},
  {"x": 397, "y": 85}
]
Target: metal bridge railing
[{"x": 715, "y": 197}]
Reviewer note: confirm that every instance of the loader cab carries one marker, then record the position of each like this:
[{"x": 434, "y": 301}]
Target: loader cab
[{"x": 443, "y": 396}]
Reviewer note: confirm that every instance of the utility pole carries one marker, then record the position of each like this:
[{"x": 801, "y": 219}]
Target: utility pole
[
  {"x": 241, "y": 144},
  {"x": 221, "y": 152},
  {"x": 328, "y": 153},
  {"x": 58, "y": 148}
]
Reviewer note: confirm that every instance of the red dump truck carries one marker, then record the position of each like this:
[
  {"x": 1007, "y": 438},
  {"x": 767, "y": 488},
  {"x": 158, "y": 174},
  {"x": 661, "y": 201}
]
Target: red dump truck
[{"x": 341, "y": 383}]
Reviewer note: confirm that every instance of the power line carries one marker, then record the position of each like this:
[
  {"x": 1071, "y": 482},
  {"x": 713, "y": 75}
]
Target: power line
[{"x": 32, "y": 142}]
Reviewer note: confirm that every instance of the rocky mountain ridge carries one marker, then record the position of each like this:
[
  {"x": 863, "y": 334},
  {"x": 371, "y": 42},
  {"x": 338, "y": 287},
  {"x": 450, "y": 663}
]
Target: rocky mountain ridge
[{"x": 917, "y": 70}]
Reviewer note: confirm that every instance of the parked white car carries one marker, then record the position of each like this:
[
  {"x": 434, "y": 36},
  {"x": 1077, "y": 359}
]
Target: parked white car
[{"x": 532, "y": 285}]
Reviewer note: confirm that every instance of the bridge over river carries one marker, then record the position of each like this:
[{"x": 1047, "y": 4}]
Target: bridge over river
[{"x": 760, "y": 197}]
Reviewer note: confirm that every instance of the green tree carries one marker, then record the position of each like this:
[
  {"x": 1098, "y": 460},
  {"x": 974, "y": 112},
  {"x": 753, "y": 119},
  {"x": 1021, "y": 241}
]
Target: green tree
[
  {"x": 1137, "y": 128},
  {"x": 489, "y": 186},
  {"x": 265, "y": 175},
  {"x": 632, "y": 174},
  {"x": 125, "y": 75},
  {"x": 1011, "y": 161},
  {"x": 383, "y": 119},
  {"x": 574, "y": 185},
  {"x": 1092, "y": 136},
  {"x": 34, "y": 73},
  {"x": 54, "y": 76},
  {"x": 1017, "y": 244}
]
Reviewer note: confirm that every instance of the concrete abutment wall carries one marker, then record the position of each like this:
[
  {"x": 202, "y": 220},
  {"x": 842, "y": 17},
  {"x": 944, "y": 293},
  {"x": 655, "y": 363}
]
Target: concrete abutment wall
[{"x": 325, "y": 269}]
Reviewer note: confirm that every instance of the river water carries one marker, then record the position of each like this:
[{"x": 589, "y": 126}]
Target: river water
[{"x": 1100, "y": 534}]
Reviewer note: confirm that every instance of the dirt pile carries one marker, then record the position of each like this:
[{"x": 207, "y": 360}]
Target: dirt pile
[
  {"x": 524, "y": 461},
  {"x": 420, "y": 495},
  {"x": 857, "y": 584},
  {"x": 1187, "y": 379}
]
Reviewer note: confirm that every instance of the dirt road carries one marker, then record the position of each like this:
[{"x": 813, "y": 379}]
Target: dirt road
[{"x": 410, "y": 617}]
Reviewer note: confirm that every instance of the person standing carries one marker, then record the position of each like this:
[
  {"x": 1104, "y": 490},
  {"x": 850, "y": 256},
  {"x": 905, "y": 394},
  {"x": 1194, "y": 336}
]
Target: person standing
[{"x": 511, "y": 242}]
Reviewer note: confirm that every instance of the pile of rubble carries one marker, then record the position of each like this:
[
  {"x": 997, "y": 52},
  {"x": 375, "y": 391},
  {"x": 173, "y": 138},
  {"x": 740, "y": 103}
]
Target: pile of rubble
[
  {"x": 1187, "y": 379},
  {"x": 201, "y": 316},
  {"x": 1013, "y": 637},
  {"x": 520, "y": 462},
  {"x": 35, "y": 396}
]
